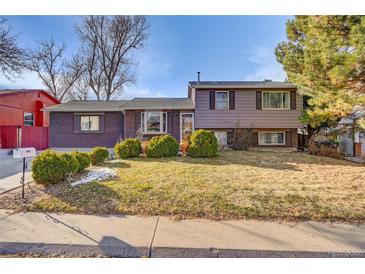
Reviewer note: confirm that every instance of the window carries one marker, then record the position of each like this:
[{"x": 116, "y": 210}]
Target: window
[
  {"x": 89, "y": 123},
  {"x": 221, "y": 137},
  {"x": 29, "y": 119},
  {"x": 221, "y": 100},
  {"x": 154, "y": 122},
  {"x": 271, "y": 138},
  {"x": 275, "y": 100}
]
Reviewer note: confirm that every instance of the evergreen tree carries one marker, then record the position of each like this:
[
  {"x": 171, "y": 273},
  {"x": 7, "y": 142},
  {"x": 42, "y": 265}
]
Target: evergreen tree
[{"x": 325, "y": 57}]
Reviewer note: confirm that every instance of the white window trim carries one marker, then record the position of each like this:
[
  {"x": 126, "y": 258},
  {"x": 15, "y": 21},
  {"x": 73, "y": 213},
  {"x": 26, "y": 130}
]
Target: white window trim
[
  {"x": 272, "y": 144},
  {"x": 274, "y": 91},
  {"x": 89, "y": 130},
  {"x": 181, "y": 113},
  {"x": 144, "y": 129},
  {"x": 28, "y": 112},
  {"x": 215, "y": 99}
]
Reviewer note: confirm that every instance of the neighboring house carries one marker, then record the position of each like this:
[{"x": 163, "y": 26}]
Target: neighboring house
[
  {"x": 272, "y": 109},
  {"x": 351, "y": 144},
  {"x": 23, "y": 123},
  {"x": 103, "y": 123}
]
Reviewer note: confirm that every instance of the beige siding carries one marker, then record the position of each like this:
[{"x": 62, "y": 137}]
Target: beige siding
[{"x": 245, "y": 113}]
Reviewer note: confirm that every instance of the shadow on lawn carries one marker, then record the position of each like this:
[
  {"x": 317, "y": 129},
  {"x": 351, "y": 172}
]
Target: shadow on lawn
[
  {"x": 90, "y": 198},
  {"x": 117, "y": 164},
  {"x": 221, "y": 161},
  {"x": 267, "y": 160}
]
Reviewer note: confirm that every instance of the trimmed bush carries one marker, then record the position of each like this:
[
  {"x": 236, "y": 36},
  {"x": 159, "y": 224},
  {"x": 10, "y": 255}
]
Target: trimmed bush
[
  {"x": 72, "y": 163},
  {"x": 172, "y": 145},
  {"x": 83, "y": 159},
  {"x": 98, "y": 155},
  {"x": 203, "y": 143},
  {"x": 128, "y": 148},
  {"x": 162, "y": 146},
  {"x": 50, "y": 167}
]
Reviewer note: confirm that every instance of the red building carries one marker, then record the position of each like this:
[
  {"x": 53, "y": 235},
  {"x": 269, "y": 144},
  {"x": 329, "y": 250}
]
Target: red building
[{"x": 23, "y": 123}]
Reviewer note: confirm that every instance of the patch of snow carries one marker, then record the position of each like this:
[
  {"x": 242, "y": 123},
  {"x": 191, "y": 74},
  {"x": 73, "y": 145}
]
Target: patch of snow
[{"x": 97, "y": 174}]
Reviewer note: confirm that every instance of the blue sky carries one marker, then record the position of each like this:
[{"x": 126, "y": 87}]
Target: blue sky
[{"x": 221, "y": 47}]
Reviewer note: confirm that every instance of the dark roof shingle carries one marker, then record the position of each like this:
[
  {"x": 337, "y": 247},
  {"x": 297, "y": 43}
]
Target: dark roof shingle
[
  {"x": 85, "y": 106},
  {"x": 159, "y": 103},
  {"x": 119, "y": 105},
  {"x": 241, "y": 84}
]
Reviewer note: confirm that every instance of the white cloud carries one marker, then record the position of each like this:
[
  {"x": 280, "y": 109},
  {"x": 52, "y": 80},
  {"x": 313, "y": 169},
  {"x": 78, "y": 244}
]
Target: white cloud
[
  {"x": 265, "y": 65},
  {"x": 152, "y": 64},
  {"x": 131, "y": 92},
  {"x": 28, "y": 81}
]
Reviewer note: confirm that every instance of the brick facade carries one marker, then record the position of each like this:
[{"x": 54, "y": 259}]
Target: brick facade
[{"x": 64, "y": 131}]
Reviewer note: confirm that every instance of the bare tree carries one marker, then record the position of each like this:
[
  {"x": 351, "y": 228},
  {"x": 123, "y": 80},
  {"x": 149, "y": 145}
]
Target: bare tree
[
  {"x": 56, "y": 72},
  {"x": 107, "y": 46},
  {"x": 81, "y": 89},
  {"x": 11, "y": 56}
]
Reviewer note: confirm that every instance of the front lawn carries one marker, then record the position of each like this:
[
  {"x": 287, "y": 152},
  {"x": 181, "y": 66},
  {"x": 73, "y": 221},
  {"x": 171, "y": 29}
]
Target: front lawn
[{"x": 262, "y": 185}]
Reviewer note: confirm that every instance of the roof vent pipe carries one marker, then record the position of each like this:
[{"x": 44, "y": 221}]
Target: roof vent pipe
[{"x": 198, "y": 76}]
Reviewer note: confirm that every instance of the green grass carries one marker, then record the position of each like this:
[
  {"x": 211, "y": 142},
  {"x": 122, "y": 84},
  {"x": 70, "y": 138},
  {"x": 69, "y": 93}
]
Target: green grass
[{"x": 261, "y": 185}]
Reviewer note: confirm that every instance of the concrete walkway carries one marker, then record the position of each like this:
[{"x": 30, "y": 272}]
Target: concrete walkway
[{"x": 132, "y": 236}]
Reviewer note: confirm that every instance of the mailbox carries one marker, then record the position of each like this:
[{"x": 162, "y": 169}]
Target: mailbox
[{"x": 24, "y": 152}]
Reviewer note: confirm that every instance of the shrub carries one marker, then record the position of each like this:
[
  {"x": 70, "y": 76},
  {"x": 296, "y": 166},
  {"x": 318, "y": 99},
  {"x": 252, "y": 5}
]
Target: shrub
[
  {"x": 162, "y": 146},
  {"x": 241, "y": 138},
  {"x": 83, "y": 159},
  {"x": 50, "y": 167},
  {"x": 72, "y": 163},
  {"x": 203, "y": 143},
  {"x": 329, "y": 152},
  {"x": 128, "y": 148},
  {"x": 324, "y": 150},
  {"x": 172, "y": 145},
  {"x": 98, "y": 155}
]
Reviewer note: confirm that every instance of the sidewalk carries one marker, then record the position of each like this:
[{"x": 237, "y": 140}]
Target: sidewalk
[{"x": 132, "y": 236}]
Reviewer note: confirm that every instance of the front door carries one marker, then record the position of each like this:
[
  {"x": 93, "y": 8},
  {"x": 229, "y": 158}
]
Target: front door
[{"x": 186, "y": 125}]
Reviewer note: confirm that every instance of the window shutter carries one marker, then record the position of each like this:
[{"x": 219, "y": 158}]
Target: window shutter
[
  {"x": 232, "y": 100},
  {"x": 288, "y": 138},
  {"x": 77, "y": 123},
  {"x": 137, "y": 121},
  {"x": 258, "y": 99},
  {"x": 255, "y": 138},
  {"x": 101, "y": 123},
  {"x": 212, "y": 99},
  {"x": 293, "y": 100}
]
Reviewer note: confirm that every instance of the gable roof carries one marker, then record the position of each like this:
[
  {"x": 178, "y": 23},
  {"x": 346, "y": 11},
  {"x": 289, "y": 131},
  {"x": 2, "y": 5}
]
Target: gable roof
[
  {"x": 241, "y": 84},
  {"x": 6, "y": 92},
  {"x": 159, "y": 103},
  {"x": 85, "y": 106}
]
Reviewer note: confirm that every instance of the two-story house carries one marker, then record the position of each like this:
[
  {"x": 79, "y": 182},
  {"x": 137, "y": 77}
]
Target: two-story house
[{"x": 271, "y": 109}]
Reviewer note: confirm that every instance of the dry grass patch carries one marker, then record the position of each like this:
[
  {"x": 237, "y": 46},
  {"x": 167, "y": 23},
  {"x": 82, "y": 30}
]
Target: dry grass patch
[{"x": 263, "y": 185}]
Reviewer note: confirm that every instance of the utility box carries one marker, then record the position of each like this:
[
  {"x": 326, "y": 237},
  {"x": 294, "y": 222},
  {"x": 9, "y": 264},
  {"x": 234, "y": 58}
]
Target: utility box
[{"x": 24, "y": 152}]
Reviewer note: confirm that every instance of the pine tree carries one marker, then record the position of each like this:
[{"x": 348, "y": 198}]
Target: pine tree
[{"x": 325, "y": 57}]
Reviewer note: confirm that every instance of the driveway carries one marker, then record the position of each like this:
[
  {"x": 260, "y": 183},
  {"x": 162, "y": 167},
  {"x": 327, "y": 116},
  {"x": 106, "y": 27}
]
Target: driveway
[{"x": 11, "y": 172}]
